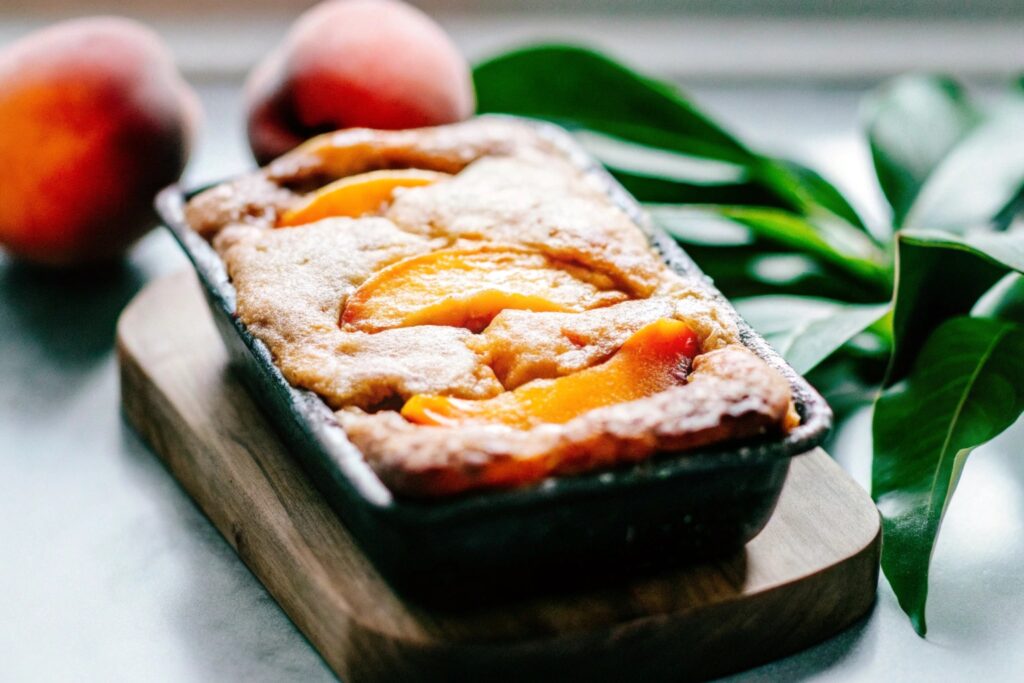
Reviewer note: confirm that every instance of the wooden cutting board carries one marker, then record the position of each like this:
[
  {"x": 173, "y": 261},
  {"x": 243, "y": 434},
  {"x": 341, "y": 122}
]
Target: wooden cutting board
[{"x": 809, "y": 574}]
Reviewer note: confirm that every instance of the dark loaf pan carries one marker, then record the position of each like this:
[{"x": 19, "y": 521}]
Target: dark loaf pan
[{"x": 673, "y": 508}]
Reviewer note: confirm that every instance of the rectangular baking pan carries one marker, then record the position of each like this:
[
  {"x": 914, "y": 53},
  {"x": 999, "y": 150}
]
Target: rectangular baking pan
[{"x": 672, "y": 508}]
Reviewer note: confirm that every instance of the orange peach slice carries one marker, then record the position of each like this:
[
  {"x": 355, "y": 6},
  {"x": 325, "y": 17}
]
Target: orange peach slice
[
  {"x": 650, "y": 361},
  {"x": 356, "y": 195},
  {"x": 468, "y": 287}
]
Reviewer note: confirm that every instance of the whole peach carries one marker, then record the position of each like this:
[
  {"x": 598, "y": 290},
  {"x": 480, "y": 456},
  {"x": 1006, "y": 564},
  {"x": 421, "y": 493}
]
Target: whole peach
[
  {"x": 355, "y": 63},
  {"x": 94, "y": 120}
]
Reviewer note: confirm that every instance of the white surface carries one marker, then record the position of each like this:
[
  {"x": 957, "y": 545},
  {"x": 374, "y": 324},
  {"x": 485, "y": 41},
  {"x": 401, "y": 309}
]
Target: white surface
[{"x": 111, "y": 574}]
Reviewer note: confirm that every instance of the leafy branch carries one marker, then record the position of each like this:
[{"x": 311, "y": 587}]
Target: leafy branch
[{"x": 929, "y": 323}]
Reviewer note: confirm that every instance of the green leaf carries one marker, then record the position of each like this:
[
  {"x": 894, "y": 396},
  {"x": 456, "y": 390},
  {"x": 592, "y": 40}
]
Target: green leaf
[
  {"x": 833, "y": 242},
  {"x": 1013, "y": 211},
  {"x": 848, "y": 382},
  {"x": 966, "y": 387},
  {"x": 940, "y": 276},
  {"x": 700, "y": 226},
  {"x": 912, "y": 123},
  {"x": 652, "y": 174},
  {"x": 806, "y": 191},
  {"x": 754, "y": 270},
  {"x": 653, "y": 137},
  {"x": 566, "y": 83},
  {"x": 978, "y": 178},
  {"x": 676, "y": 166},
  {"x": 584, "y": 90},
  {"x": 807, "y": 330},
  {"x": 1005, "y": 301},
  {"x": 650, "y": 188},
  {"x": 743, "y": 264},
  {"x": 759, "y": 269}
]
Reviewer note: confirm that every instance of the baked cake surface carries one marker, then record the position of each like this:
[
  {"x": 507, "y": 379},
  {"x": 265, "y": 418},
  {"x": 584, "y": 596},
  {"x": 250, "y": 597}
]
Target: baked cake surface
[{"x": 486, "y": 319}]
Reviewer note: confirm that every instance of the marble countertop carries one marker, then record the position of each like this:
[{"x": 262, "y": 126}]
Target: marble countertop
[{"x": 110, "y": 573}]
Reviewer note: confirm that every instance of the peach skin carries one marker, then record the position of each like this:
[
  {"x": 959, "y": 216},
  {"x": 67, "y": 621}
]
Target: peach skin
[
  {"x": 355, "y": 63},
  {"x": 94, "y": 120}
]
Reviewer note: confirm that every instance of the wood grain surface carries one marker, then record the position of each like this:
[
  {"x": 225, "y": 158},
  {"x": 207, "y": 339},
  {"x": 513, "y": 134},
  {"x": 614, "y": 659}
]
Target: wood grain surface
[{"x": 810, "y": 573}]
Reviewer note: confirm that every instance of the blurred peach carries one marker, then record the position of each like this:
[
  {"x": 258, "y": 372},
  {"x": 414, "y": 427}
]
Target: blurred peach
[
  {"x": 94, "y": 120},
  {"x": 356, "y": 63}
]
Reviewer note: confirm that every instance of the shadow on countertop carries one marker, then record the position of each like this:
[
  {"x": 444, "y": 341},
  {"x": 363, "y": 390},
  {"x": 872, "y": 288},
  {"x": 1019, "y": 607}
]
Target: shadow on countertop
[
  {"x": 815, "y": 661},
  {"x": 56, "y": 334},
  {"x": 231, "y": 628},
  {"x": 57, "y": 326},
  {"x": 65, "y": 318}
]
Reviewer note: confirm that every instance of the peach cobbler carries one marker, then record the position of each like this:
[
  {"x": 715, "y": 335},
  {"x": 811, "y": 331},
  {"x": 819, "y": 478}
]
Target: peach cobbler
[{"x": 477, "y": 311}]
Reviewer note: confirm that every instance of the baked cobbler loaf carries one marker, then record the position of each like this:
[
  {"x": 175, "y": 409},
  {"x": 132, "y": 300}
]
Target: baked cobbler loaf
[{"x": 482, "y": 316}]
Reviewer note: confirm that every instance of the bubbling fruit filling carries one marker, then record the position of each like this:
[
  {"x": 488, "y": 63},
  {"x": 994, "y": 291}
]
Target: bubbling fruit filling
[
  {"x": 653, "y": 359},
  {"x": 468, "y": 287},
  {"x": 356, "y": 195}
]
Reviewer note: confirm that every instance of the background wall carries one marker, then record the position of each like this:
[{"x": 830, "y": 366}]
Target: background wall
[{"x": 853, "y": 42}]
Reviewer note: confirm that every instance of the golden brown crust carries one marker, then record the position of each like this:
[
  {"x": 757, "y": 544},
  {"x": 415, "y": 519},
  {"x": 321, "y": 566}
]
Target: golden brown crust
[
  {"x": 448, "y": 149},
  {"x": 525, "y": 345},
  {"x": 730, "y": 394},
  {"x": 291, "y": 284},
  {"x": 252, "y": 200},
  {"x": 368, "y": 370},
  {"x": 511, "y": 187},
  {"x": 539, "y": 201}
]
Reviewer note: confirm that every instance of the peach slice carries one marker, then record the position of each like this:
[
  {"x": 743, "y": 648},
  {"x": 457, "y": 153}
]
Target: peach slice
[
  {"x": 356, "y": 195},
  {"x": 468, "y": 287},
  {"x": 650, "y": 361}
]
